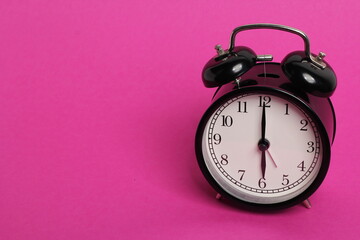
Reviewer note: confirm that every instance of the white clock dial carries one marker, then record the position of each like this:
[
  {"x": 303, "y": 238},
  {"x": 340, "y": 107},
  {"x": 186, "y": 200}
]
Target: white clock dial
[{"x": 261, "y": 148}]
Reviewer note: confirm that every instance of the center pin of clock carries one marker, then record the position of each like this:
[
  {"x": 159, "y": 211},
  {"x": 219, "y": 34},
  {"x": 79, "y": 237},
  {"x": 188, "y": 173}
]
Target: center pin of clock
[{"x": 263, "y": 144}]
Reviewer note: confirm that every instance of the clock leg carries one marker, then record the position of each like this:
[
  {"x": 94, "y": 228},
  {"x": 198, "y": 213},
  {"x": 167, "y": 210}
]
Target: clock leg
[
  {"x": 218, "y": 196},
  {"x": 307, "y": 203}
]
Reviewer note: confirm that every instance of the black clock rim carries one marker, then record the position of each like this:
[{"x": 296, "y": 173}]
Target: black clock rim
[{"x": 293, "y": 99}]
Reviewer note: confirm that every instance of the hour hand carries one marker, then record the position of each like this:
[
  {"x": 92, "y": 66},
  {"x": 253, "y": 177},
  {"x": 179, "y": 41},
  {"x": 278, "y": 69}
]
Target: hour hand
[
  {"x": 263, "y": 163},
  {"x": 263, "y": 146}
]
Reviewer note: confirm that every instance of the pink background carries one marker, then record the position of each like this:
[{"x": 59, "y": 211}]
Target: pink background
[{"x": 99, "y": 104}]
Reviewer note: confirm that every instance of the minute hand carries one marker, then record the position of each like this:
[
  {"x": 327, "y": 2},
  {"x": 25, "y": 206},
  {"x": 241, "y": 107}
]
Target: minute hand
[{"x": 263, "y": 124}]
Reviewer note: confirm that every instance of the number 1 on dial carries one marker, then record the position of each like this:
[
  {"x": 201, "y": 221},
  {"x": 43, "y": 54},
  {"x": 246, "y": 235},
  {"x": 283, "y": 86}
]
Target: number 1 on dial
[{"x": 286, "y": 109}]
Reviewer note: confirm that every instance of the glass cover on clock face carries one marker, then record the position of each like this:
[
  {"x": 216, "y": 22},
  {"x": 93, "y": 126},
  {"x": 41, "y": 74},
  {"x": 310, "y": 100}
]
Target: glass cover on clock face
[{"x": 262, "y": 148}]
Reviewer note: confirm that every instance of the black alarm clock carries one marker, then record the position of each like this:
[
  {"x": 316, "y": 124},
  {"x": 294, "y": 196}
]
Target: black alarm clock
[{"x": 264, "y": 143}]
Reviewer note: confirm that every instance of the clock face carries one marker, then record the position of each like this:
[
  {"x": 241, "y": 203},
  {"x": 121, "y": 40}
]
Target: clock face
[{"x": 261, "y": 148}]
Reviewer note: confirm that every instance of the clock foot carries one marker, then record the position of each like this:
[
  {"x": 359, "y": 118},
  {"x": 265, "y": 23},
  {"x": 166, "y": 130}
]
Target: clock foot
[
  {"x": 218, "y": 196},
  {"x": 307, "y": 203}
]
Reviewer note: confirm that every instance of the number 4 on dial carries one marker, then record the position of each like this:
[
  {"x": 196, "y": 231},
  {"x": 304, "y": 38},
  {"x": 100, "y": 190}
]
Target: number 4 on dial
[{"x": 302, "y": 166}]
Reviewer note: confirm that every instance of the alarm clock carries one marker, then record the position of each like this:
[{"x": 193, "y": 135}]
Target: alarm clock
[{"x": 265, "y": 141}]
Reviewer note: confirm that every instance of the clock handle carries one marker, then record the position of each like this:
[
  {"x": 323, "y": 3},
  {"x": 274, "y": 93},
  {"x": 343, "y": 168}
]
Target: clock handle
[
  {"x": 305, "y": 70},
  {"x": 317, "y": 60}
]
